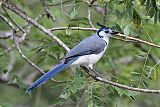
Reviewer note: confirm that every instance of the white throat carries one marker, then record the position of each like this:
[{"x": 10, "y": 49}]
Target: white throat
[{"x": 105, "y": 36}]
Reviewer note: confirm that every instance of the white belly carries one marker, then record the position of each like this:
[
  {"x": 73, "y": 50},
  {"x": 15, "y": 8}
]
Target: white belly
[{"x": 88, "y": 59}]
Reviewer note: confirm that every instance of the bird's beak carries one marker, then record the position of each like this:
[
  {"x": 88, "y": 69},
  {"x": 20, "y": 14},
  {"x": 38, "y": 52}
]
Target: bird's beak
[{"x": 114, "y": 32}]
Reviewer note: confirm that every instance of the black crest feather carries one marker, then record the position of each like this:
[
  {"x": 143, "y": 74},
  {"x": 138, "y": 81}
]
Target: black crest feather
[{"x": 100, "y": 25}]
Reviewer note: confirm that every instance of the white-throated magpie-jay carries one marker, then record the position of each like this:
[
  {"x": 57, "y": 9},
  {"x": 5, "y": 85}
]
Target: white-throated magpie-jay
[{"x": 86, "y": 53}]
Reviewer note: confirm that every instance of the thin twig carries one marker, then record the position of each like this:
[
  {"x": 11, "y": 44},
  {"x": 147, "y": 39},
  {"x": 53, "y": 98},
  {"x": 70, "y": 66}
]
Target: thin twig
[
  {"x": 56, "y": 4},
  {"x": 29, "y": 61},
  {"x": 23, "y": 37},
  {"x": 91, "y": 2},
  {"x": 125, "y": 38},
  {"x": 7, "y": 21},
  {"x": 13, "y": 20},
  {"x": 24, "y": 57},
  {"x": 47, "y": 10},
  {"x": 73, "y": 28},
  {"x": 89, "y": 17},
  {"x": 154, "y": 58},
  {"x": 105, "y": 13},
  {"x": 139, "y": 40}
]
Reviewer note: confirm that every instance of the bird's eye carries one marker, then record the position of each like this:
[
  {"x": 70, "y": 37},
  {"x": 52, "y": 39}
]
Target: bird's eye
[{"x": 107, "y": 31}]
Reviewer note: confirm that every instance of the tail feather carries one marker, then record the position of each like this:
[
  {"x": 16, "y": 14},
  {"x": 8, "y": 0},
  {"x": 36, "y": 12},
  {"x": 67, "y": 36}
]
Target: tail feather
[{"x": 47, "y": 76}]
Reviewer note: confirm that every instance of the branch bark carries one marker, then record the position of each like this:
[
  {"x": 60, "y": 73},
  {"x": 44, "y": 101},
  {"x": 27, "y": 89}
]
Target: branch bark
[
  {"x": 35, "y": 23},
  {"x": 125, "y": 38},
  {"x": 95, "y": 75}
]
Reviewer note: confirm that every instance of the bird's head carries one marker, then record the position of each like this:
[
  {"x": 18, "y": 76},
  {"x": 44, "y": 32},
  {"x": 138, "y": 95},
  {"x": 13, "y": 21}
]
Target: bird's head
[{"x": 105, "y": 32}]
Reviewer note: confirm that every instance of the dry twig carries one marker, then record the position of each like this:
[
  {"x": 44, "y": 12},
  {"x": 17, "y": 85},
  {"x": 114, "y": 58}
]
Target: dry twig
[
  {"x": 47, "y": 10},
  {"x": 89, "y": 17},
  {"x": 125, "y": 38}
]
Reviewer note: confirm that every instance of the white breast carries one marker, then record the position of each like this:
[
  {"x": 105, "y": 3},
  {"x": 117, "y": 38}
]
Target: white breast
[{"x": 88, "y": 59}]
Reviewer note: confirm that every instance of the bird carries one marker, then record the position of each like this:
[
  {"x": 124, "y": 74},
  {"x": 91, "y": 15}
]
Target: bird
[{"x": 86, "y": 53}]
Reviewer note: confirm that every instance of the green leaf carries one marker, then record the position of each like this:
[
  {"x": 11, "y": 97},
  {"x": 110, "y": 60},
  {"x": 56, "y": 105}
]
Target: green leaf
[
  {"x": 101, "y": 2},
  {"x": 118, "y": 27},
  {"x": 20, "y": 82},
  {"x": 126, "y": 30},
  {"x": 52, "y": 1},
  {"x": 135, "y": 73},
  {"x": 125, "y": 92},
  {"x": 3, "y": 69},
  {"x": 90, "y": 103},
  {"x": 71, "y": 89},
  {"x": 3, "y": 53},
  {"x": 136, "y": 19},
  {"x": 145, "y": 84},
  {"x": 73, "y": 98},
  {"x": 74, "y": 13},
  {"x": 154, "y": 3},
  {"x": 142, "y": 2},
  {"x": 151, "y": 12},
  {"x": 156, "y": 73},
  {"x": 68, "y": 31},
  {"x": 156, "y": 17}
]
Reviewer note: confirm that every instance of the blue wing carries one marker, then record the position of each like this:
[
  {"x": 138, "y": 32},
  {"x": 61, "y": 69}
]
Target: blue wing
[{"x": 88, "y": 46}]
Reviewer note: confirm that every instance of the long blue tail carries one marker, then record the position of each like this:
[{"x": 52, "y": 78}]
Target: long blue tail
[{"x": 47, "y": 76}]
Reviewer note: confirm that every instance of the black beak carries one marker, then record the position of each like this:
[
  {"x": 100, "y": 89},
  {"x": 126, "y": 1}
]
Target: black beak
[{"x": 114, "y": 32}]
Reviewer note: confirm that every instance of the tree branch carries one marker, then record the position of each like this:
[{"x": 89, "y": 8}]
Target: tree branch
[
  {"x": 5, "y": 34},
  {"x": 125, "y": 38},
  {"x": 28, "y": 30},
  {"x": 95, "y": 75},
  {"x": 24, "y": 57},
  {"x": 19, "y": 27},
  {"x": 35, "y": 23},
  {"x": 7, "y": 21}
]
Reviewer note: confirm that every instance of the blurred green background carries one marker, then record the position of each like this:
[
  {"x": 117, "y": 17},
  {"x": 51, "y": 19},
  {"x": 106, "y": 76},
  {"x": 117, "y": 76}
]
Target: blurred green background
[{"x": 128, "y": 63}]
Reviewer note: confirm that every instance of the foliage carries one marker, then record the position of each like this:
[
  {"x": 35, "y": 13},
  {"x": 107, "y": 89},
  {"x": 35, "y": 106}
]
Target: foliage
[{"x": 124, "y": 62}]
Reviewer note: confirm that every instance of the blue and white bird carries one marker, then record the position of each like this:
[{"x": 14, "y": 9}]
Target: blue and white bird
[{"x": 86, "y": 53}]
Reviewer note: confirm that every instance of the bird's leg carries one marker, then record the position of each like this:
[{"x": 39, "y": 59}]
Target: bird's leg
[
  {"x": 91, "y": 71},
  {"x": 94, "y": 71}
]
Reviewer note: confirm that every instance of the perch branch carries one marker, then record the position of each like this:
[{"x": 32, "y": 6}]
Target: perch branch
[
  {"x": 95, "y": 75},
  {"x": 125, "y": 38}
]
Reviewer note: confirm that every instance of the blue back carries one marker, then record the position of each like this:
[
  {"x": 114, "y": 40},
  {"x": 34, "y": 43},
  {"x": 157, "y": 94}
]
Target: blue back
[{"x": 90, "y": 45}]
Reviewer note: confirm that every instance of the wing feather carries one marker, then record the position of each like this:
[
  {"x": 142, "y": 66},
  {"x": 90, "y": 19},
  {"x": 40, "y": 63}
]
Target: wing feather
[{"x": 88, "y": 46}]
